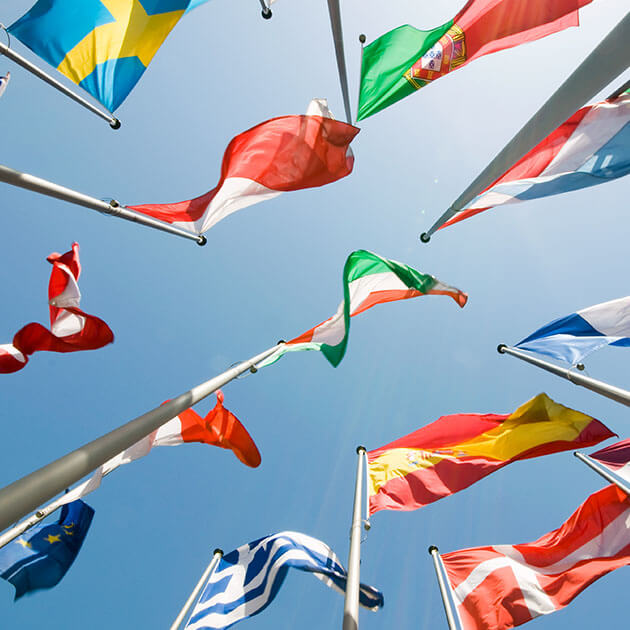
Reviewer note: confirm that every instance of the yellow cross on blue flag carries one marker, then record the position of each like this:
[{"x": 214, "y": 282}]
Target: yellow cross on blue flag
[{"x": 104, "y": 46}]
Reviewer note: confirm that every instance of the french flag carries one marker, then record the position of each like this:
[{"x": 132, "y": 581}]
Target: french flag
[
  {"x": 590, "y": 148},
  {"x": 572, "y": 337}
]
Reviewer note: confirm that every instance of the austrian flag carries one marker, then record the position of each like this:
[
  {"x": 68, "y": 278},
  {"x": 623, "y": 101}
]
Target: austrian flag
[
  {"x": 281, "y": 154},
  {"x": 70, "y": 328},
  {"x": 499, "y": 587}
]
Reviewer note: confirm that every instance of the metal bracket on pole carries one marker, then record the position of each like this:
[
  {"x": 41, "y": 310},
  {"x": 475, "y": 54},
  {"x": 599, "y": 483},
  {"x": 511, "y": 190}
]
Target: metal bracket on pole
[
  {"x": 600, "y": 470},
  {"x": 266, "y": 11},
  {"x": 112, "y": 208},
  {"x": 114, "y": 123},
  {"x": 26, "y": 494},
  {"x": 599, "y": 387},
  {"x": 450, "y": 618},
  {"x": 216, "y": 557}
]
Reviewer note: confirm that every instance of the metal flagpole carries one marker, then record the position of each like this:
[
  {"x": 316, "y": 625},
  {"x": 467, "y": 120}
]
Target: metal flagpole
[
  {"x": 216, "y": 557},
  {"x": 351, "y": 602},
  {"x": 600, "y": 470},
  {"x": 606, "y": 62},
  {"x": 335, "y": 25},
  {"x": 114, "y": 123},
  {"x": 599, "y": 387},
  {"x": 266, "y": 11},
  {"x": 619, "y": 91},
  {"x": 433, "y": 551},
  {"x": 113, "y": 208},
  {"x": 362, "y": 39},
  {"x": 26, "y": 494}
]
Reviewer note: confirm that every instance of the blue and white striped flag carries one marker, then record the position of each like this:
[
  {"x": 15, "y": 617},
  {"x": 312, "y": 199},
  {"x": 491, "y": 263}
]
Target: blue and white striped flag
[
  {"x": 247, "y": 579},
  {"x": 572, "y": 337},
  {"x": 4, "y": 81}
]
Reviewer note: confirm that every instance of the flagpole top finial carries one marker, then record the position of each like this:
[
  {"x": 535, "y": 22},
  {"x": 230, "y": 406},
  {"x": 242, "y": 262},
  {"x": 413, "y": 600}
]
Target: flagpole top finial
[
  {"x": 218, "y": 551},
  {"x": 424, "y": 237},
  {"x": 580, "y": 366},
  {"x": 266, "y": 13},
  {"x": 501, "y": 348},
  {"x": 362, "y": 38},
  {"x": 202, "y": 240},
  {"x": 361, "y": 449},
  {"x": 433, "y": 548},
  {"x": 114, "y": 123}
]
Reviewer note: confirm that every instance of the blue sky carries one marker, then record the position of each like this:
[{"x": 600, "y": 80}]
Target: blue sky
[{"x": 182, "y": 313}]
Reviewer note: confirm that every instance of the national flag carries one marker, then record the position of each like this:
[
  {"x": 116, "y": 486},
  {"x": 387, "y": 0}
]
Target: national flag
[
  {"x": 368, "y": 280},
  {"x": 104, "y": 46},
  {"x": 71, "y": 329},
  {"x": 616, "y": 458},
  {"x": 455, "y": 451},
  {"x": 247, "y": 579},
  {"x": 590, "y": 148},
  {"x": 281, "y": 154},
  {"x": 499, "y": 587},
  {"x": 41, "y": 557},
  {"x": 219, "y": 428},
  {"x": 572, "y": 337},
  {"x": 406, "y": 59},
  {"x": 4, "y": 81}
]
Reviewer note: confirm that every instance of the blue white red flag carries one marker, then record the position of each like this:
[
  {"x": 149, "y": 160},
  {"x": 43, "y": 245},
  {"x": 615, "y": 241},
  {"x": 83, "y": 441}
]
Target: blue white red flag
[
  {"x": 572, "y": 337},
  {"x": 247, "y": 579},
  {"x": 590, "y": 148},
  {"x": 4, "y": 81}
]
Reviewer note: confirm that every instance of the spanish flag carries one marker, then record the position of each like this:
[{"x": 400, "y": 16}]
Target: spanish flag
[{"x": 453, "y": 452}]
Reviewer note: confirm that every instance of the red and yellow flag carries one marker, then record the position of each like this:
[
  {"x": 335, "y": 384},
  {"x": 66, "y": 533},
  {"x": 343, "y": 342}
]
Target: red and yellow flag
[{"x": 453, "y": 452}]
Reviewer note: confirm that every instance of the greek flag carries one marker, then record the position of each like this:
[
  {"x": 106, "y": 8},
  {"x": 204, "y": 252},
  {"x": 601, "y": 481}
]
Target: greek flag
[
  {"x": 247, "y": 579},
  {"x": 572, "y": 337}
]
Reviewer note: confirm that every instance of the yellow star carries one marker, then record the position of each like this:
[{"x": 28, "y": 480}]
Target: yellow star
[
  {"x": 133, "y": 34},
  {"x": 24, "y": 543},
  {"x": 68, "y": 526},
  {"x": 53, "y": 539}
]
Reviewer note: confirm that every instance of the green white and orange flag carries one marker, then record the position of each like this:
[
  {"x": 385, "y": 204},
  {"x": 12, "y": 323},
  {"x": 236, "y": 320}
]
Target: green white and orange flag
[
  {"x": 455, "y": 451},
  {"x": 406, "y": 59},
  {"x": 368, "y": 279}
]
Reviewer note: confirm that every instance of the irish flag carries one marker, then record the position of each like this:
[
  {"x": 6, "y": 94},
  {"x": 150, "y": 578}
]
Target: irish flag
[
  {"x": 455, "y": 451},
  {"x": 368, "y": 280},
  {"x": 406, "y": 59}
]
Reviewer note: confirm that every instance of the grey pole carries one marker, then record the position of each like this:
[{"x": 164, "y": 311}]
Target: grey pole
[
  {"x": 599, "y": 387},
  {"x": 114, "y": 123},
  {"x": 602, "y": 66},
  {"x": 266, "y": 11},
  {"x": 113, "y": 208},
  {"x": 351, "y": 602},
  {"x": 337, "y": 32},
  {"x": 26, "y": 494},
  {"x": 600, "y": 470},
  {"x": 216, "y": 557},
  {"x": 433, "y": 551}
]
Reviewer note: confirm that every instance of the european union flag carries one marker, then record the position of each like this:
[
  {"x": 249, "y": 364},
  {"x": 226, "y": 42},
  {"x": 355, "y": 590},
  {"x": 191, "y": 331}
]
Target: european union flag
[
  {"x": 104, "y": 46},
  {"x": 40, "y": 558}
]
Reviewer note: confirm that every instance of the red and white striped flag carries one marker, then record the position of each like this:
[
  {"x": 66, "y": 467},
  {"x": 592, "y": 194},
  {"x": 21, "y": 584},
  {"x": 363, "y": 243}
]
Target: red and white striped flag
[
  {"x": 616, "y": 458},
  {"x": 281, "y": 154},
  {"x": 70, "y": 328},
  {"x": 503, "y": 586}
]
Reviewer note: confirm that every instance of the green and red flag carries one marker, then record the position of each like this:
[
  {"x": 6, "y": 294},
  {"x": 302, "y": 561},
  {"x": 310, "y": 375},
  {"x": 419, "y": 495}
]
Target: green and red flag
[
  {"x": 368, "y": 280},
  {"x": 455, "y": 451},
  {"x": 406, "y": 59}
]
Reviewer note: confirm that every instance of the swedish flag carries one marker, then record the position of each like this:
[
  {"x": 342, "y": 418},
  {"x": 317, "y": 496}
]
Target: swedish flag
[{"x": 104, "y": 46}]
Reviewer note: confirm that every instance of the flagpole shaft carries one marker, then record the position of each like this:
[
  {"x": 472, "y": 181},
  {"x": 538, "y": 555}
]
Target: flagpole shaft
[
  {"x": 26, "y": 494},
  {"x": 50, "y": 189},
  {"x": 433, "y": 551},
  {"x": 601, "y": 471},
  {"x": 266, "y": 11},
  {"x": 351, "y": 602},
  {"x": 216, "y": 557},
  {"x": 599, "y": 387},
  {"x": 604, "y": 64},
  {"x": 335, "y": 24},
  {"x": 114, "y": 123}
]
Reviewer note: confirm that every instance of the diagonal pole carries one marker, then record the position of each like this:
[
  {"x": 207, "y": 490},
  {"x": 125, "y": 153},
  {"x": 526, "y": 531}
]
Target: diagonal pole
[
  {"x": 114, "y": 123},
  {"x": 112, "y": 208},
  {"x": 599, "y": 387},
  {"x": 26, "y": 494},
  {"x": 450, "y": 618},
  {"x": 335, "y": 25},
  {"x": 603, "y": 65},
  {"x": 600, "y": 470}
]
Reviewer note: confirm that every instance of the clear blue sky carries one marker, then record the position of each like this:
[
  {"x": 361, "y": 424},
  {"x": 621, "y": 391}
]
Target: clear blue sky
[{"x": 182, "y": 313}]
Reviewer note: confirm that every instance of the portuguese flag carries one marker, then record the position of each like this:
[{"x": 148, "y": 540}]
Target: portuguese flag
[
  {"x": 455, "y": 451},
  {"x": 406, "y": 59},
  {"x": 368, "y": 280}
]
